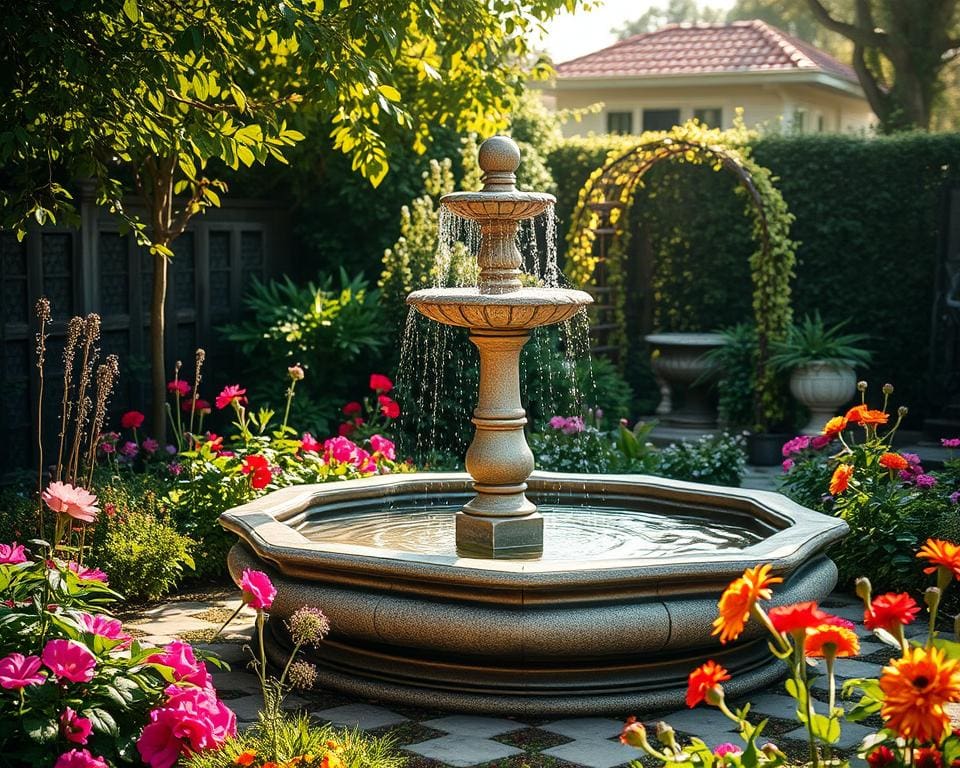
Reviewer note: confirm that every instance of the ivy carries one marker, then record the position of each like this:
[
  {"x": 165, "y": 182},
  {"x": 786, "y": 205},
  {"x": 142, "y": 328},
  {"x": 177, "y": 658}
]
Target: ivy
[{"x": 605, "y": 202}]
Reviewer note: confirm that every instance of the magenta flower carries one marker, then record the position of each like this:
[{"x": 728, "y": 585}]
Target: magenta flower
[
  {"x": 87, "y": 574},
  {"x": 12, "y": 554},
  {"x": 384, "y": 447},
  {"x": 309, "y": 443},
  {"x": 795, "y": 446},
  {"x": 955, "y": 497},
  {"x": 178, "y": 387},
  {"x": 76, "y": 502},
  {"x": 104, "y": 626},
  {"x": 258, "y": 591},
  {"x": 787, "y": 465},
  {"x": 79, "y": 758},
  {"x": 727, "y": 749},
  {"x": 18, "y": 671},
  {"x": 180, "y": 658},
  {"x": 75, "y": 728},
  {"x": 193, "y": 719},
  {"x": 150, "y": 445},
  {"x": 380, "y": 383},
  {"x": 925, "y": 481},
  {"x": 950, "y": 442},
  {"x": 573, "y": 426},
  {"x": 364, "y": 462},
  {"x": 340, "y": 449},
  {"x": 819, "y": 442},
  {"x": 69, "y": 660},
  {"x": 231, "y": 393},
  {"x": 129, "y": 449}
]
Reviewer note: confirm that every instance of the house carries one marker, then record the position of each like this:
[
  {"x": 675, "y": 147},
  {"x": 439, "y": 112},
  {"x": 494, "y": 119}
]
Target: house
[{"x": 655, "y": 80}]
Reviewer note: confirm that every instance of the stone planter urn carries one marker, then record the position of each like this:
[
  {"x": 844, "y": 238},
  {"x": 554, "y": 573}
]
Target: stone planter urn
[
  {"x": 681, "y": 364},
  {"x": 822, "y": 386}
]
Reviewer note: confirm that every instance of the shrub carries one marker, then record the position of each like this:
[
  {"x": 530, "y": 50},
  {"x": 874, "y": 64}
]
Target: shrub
[
  {"x": 570, "y": 444},
  {"x": 717, "y": 459}
]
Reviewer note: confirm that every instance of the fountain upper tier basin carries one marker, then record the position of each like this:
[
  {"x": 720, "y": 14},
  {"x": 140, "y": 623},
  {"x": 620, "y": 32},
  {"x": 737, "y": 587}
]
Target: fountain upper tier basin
[
  {"x": 502, "y": 206},
  {"x": 611, "y": 618},
  {"x": 519, "y": 309}
]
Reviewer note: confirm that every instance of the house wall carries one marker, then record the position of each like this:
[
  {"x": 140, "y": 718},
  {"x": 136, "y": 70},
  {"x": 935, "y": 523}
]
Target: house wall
[{"x": 767, "y": 107}]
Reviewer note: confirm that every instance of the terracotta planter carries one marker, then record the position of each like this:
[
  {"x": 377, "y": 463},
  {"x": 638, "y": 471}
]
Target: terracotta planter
[{"x": 822, "y": 386}]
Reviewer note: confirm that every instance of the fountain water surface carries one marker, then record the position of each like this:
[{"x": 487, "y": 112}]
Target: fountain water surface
[{"x": 511, "y": 591}]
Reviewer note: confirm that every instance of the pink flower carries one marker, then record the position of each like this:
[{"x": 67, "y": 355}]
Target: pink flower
[
  {"x": 309, "y": 443},
  {"x": 925, "y": 481},
  {"x": 950, "y": 442},
  {"x": 258, "y": 591},
  {"x": 75, "y": 728},
  {"x": 380, "y": 383},
  {"x": 18, "y": 671},
  {"x": 79, "y": 758},
  {"x": 727, "y": 749},
  {"x": 201, "y": 406},
  {"x": 340, "y": 449},
  {"x": 12, "y": 554},
  {"x": 87, "y": 574},
  {"x": 557, "y": 422},
  {"x": 104, "y": 626},
  {"x": 129, "y": 449},
  {"x": 108, "y": 447},
  {"x": 384, "y": 447},
  {"x": 388, "y": 407},
  {"x": 259, "y": 470},
  {"x": 193, "y": 719},
  {"x": 794, "y": 446},
  {"x": 364, "y": 462},
  {"x": 819, "y": 442},
  {"x": 69, "y": 660},
  {"x": 787, "y": 465},
  {"x": 178, "y": 387},
  {"x": 76, "y": 502},
  {"x": 352, "y": 407},
  {"x": 180, "y": 658},
  {"x": 231, "y": 393},
  {"x": 132, "y": 420},
  {"x": 295, "y": 372},
  {"x": 150, "y": 445}
]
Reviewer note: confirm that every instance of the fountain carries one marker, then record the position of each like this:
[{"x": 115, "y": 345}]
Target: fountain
[{"x": 509, "y": 591}]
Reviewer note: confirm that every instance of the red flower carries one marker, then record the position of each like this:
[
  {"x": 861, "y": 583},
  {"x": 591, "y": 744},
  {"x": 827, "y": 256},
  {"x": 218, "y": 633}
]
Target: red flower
[
  {"x": 309, "y": 443},
  {"x": 791, "y": 618},
  {"x": 131, "y": 420},
  {"x": 229, "y": 394},
  {"x": 259, "y": 470},
  {"x": 202, "y": 406},
  {"x": 890, "y": 611},
  {"x": 351, "y": 408},
  {"x": 928, "y": 757},
  {"x": 837, "y": 621},
  {"x": 881, "y": 757},
  {"x": 893, "y": 461},
  {"x": 178, "y": 387},
  {"x": 380, "y": 383},
  {"x": 388, "y": 407},
  {"x": 702, "y": 679},
  {"x": 215, "y": 441},
  {"x": 346, "y": 429}
]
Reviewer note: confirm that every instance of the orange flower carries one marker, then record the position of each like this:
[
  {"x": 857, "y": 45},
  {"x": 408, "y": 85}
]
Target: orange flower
[
  {"x": 738, "y": 599},
  {"x": 245, "y": 758},
  {"x": 791, "y": 618},
  {"x": 893, "y": 461},
  {"x": 844, "y": 641},
  {"x": 916, "y": 687},
  {"x": 841, "y": 479},
  {"x": 890, "y": 611},
  {"x": 941, "y": 553},
  {"x": 835, "y": 426},
  {"x": 702, "y": 679},
  {"x": 861, "y": 414},
  {"x": 331, "y": 760}
]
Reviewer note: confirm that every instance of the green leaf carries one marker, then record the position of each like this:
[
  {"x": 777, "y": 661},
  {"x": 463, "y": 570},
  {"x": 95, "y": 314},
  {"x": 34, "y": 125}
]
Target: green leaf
[
  {"x": 102, "y": 721},
  {"x": 40, "y": 730},
  {"x": 131, "y": 11}
]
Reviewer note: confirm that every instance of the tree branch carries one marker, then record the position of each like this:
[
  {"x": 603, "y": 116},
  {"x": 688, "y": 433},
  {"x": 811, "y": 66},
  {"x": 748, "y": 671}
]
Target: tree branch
[
  {"x": 860, "y": 36},
  {"x": 871, "y": 88}
]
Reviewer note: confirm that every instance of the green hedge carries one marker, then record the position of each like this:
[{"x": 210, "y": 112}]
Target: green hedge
[{"x": 869, "y": 213}]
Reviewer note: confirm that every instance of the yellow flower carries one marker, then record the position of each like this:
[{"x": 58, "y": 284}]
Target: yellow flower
[
  {"x": 915, "y": 688},
  {"x": 738, "y": 599}
]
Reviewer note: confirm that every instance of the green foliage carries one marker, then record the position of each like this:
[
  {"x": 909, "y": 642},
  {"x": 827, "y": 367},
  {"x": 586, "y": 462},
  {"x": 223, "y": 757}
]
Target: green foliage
[
  {"x": 811, "y": 340},
  {"x": 326, "y": 328},
  {"x": 736, "y": 360},
  {"x": 717, "y": 459},
  {"x": 297, "y": 735}
]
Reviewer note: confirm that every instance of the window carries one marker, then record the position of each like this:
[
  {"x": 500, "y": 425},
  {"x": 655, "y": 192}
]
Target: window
[
  {"x": 619, "y": 122},
  {"x": 712, "y": 117},
  {"x": 821, "y": 124},
  {"x": 660, "y": 119},
  {"x": 799, "y": 120}
]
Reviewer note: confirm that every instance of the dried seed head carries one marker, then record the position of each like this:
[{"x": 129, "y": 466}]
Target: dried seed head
[
  {"x": 888, "y": 389},
  {"x": 862, "y": 386},
  {"x": 43, "y": 310},
  {"x": 302, "y": 675},
  {"x": 308, "y": 626}
]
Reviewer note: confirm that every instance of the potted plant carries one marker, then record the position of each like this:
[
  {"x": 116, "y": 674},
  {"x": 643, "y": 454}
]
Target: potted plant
[{"x": 821, "y": 362}]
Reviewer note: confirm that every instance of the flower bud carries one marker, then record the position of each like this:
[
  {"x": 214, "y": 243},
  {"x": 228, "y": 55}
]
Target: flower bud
[
  {"x": 864, "y": 590},
  {"x": 666, "y": 735},
  {"x": 633, "y": 733},
  {"x": 931, "y": 596},
  {"x": 902, "y": 411},
  {"x": 772, "y": 751},
  {"x": 888, "y": 389},
  {"x": 861, "y": 386},
  {"x": 296, "y": 372},
  {"x": 714, "y": 696}
]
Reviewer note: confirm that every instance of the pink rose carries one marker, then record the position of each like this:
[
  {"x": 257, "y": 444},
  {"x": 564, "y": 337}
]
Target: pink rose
[
  {"x": 193, "y": 719},
  {"x": 79, "y": 758},
  {"x": 258, "y": 591},
  {"x": 104, "y": 626},
  {"x": 384, "y": 447},
  {"x": 18, "y": 671},
  {"x": 69, "y": 660},
  {"x": 75, "y": 728},
  {"x": 179, "y": 657},
  {"x": 12, "y": 554},
  {"x": 340, "y": 449}
]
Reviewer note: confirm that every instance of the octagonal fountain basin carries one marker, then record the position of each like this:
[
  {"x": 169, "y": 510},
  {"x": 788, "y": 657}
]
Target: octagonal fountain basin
[{"x": 611, "y": 617}]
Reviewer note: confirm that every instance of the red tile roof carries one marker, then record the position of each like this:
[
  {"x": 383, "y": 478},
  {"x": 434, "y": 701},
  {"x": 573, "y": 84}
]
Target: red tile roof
[{"x": 695, "y": 49}]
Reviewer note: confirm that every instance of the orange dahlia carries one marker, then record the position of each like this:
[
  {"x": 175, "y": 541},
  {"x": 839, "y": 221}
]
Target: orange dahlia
[
  {"x": 733, "y": 608},
  {"x": 893, "y": 461},
  {"x": 702, "y": 679},
  {"x": 835, "y": 426},
  {"x": 941, "y": 553},
  {"x": 841, "y": 479},
  {"x": 843, "y": 641},
  {"x": 792, "y": 618},
  {"x": 890, "y": 611},
  {"x": 916, "y": 687}
]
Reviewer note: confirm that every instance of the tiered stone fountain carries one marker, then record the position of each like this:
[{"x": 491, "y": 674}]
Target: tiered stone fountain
[{"x": 515, "y": 593}]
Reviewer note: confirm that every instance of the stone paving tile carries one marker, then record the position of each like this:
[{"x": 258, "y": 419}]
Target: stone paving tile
[
  {"x": 853, "y": 668},
  {"x": 182, "y": 608},
  {"x": 700, "y": 721},
  {"x": 462, "y": 751},
  {"x": 851, "y": 736},
  {"x": 364, "y": 716},
  {"x": 585, "y": 727},
  {"x": 236, "y": 680},
  {"x": 175, "y": 626},
  {"x": 473, "y": 725},
  {"x": 594, "y": 753},
  {"x": 232, "y": 653},
  {"x": 869, "y": 648}
]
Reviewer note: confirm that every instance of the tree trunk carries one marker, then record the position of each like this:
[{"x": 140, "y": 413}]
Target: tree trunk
[{"x": 158, "y": 373}]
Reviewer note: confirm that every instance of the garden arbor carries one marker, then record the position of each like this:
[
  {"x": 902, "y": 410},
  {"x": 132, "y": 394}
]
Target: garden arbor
[{"x": 600, "y": 232}]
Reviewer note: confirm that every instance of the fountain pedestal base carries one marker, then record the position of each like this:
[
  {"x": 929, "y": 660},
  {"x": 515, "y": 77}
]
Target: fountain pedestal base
[{"x": 499, "y": 535}]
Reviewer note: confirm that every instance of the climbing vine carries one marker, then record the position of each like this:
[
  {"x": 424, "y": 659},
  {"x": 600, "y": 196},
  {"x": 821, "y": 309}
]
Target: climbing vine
[{"x": 597, "y": 243}]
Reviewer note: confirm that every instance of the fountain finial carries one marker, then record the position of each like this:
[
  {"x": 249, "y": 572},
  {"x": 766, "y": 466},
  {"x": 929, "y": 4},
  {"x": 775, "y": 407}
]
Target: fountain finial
[{"x": 499, "y": 158}]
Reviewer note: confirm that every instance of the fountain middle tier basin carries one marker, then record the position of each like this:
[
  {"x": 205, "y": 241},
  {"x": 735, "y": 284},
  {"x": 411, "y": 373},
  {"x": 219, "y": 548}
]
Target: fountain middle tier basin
[
  {"x": 611, "y": 617},
  {"x": 522, "y": 308}
]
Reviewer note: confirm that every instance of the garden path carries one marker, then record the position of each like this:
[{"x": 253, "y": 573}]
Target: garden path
[{"x": 434, "y": 739}]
